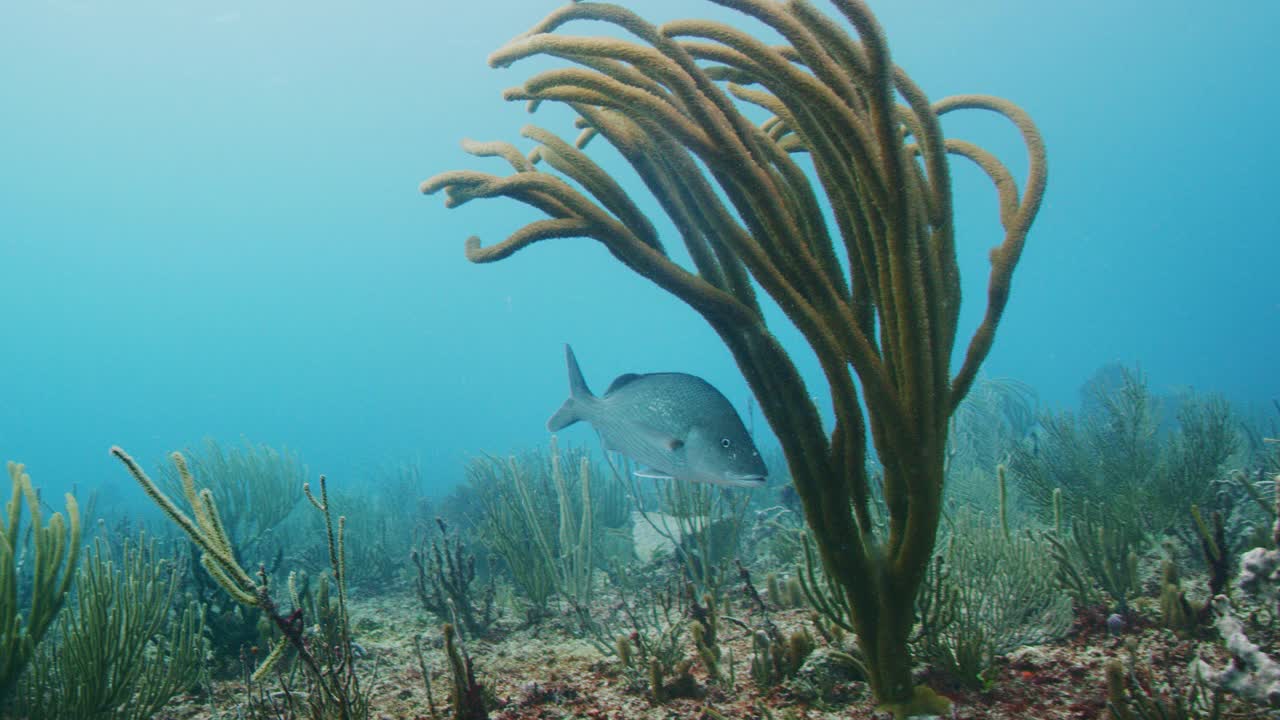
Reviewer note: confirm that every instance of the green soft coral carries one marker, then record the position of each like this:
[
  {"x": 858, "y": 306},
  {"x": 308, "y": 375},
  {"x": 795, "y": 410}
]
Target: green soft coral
[{"x": 57, "y": 550}]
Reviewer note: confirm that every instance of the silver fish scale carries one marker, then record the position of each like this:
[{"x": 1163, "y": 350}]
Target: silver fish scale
[{"x": 665, "y": 404}]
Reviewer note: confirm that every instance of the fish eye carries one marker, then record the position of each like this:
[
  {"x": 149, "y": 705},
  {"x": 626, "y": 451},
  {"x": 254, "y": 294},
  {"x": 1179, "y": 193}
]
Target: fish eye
[{"x": 724, "y": 442}]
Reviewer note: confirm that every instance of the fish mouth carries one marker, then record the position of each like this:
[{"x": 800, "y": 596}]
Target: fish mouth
[{"x": 748, "y": 480}]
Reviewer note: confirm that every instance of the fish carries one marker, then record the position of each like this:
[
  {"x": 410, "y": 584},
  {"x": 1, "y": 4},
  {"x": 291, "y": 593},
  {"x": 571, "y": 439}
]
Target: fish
[{"x": 675, "y": 425}]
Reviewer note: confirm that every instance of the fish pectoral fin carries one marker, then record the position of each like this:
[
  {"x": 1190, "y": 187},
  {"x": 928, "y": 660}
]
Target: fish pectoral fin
[
  {"x": 652, "y": 474},
  {"x": 658, "y": 438}
]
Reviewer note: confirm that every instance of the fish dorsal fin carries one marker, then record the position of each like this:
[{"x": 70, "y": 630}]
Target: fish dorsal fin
[{"x": 621, "y": 381}]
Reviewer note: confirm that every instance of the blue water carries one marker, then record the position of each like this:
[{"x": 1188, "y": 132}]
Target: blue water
[{"x": 210, "y": 224}]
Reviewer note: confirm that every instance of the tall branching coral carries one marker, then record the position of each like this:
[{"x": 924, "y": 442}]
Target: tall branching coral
[
  {"x": 125, "y": 647},
  {"x": 988, "y": 595},
  {"x": 254, "y": 486},
  {"x": 877, "y": 297},
  {"x": 538, "y": 518},
  {"x": 333, "y": 680},
  {"x": 1116, "y": 459},
  {"x": 993, "y": 419},
  {"x": 56, "y": 544}
]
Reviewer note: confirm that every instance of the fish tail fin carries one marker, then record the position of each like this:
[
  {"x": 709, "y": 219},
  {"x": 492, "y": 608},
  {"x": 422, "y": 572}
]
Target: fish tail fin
[{"x": 571, "y": 411}]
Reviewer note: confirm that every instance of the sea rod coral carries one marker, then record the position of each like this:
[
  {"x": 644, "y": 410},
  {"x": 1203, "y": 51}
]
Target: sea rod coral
[
  {"x": 56, "y": 545},
  {"x": 877, "y": 297}
]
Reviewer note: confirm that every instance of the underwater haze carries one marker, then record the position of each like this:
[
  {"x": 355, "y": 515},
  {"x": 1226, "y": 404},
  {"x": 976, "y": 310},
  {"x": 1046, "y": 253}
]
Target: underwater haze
[
  {"x": 244, "y": 232},
  {"x": 210, "y": 224}
]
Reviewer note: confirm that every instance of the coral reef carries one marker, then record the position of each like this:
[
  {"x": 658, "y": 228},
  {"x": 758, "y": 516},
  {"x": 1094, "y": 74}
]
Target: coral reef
[
  {"x": 330, "y": 671},
  {"x": 540, "y": 520},
  {"x": 124, "y": 648},
  {"x": 987, "y": 595}
]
